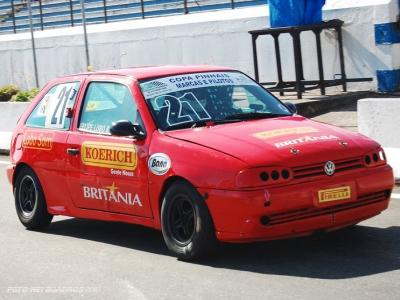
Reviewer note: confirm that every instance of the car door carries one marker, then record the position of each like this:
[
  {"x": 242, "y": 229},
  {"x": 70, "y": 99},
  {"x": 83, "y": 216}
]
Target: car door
[
  {"x": 106, "y": 172},
  {"x": 44, "y": 139}
]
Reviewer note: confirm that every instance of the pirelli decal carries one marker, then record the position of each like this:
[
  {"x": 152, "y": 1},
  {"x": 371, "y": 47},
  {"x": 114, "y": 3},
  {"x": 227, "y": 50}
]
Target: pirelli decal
[
  {"x": 38, "y": 140},
  {"x": 109, "y": 155},
  {"x": 341, "y": 193}
]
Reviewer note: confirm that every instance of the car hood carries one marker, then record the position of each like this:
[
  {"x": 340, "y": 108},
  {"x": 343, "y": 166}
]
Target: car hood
[{"x": 289, "y": 141}]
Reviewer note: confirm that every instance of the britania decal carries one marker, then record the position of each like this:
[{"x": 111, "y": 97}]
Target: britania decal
[
  {"x": 111, "y": 193},
  {"x": 306, "y": 139}
]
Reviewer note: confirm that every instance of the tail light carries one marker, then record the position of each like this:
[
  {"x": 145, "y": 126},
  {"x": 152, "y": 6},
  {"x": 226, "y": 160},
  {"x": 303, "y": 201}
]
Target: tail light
[
  {"x": 263, "y": 176},
  {"x": 375, "y": 158}
]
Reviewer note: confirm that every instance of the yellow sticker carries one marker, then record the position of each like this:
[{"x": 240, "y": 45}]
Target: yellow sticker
[
  {"x": 335, "y": 194},
  {"x": 92, "y": 105},
  {"x": 109, "y": 155},
  {"x": 284, "y": 131},
  {"x": 38, "y": 140}
]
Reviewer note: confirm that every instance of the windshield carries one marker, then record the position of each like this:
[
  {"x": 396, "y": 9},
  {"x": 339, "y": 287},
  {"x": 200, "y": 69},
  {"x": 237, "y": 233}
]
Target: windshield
[{"x": 190, "y": 100}]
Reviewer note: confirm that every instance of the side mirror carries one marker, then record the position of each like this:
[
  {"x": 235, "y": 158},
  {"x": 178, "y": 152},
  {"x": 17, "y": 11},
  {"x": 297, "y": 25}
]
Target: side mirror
[
  {"x": 126, "y": 128},
  {"x": 292, "y": 107}
]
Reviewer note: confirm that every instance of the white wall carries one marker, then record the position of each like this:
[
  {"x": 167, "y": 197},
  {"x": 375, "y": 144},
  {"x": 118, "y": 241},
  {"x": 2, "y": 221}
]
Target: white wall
[
  {"x": 379, "y": 119},
  {"x": 219, "y": 38}
]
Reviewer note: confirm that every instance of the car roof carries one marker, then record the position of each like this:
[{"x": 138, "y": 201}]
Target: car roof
[{"x": 140, "y": 73}]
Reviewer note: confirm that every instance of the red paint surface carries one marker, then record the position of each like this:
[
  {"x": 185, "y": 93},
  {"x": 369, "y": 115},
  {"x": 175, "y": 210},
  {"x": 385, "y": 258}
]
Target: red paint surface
[{"x": 223, "y": 162}]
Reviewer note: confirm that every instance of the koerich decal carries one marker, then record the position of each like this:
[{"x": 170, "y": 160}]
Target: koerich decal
[
  {"x": 111, "y": 193},
  {"x": 159, "y": 163},
  {"x": 109, "y": 155}
]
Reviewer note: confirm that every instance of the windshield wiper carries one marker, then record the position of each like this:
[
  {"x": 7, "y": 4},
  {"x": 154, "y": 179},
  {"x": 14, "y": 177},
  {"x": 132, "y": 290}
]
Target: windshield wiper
[{"x": 254, "y": 115}]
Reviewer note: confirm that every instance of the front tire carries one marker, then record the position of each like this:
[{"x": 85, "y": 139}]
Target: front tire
[
  {"x": 30, "y": 203},
  {"x": 187, "y": 226}
]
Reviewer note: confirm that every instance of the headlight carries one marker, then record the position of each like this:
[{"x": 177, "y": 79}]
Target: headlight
[
  {"x": 374, "y": 158},
  {"x": 263, "y": 176}
]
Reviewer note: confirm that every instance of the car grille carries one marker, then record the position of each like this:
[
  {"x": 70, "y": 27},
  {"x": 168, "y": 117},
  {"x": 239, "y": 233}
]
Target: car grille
[
  {"x": 318, "y": 169},
  {"x": 296, "y": 215}
]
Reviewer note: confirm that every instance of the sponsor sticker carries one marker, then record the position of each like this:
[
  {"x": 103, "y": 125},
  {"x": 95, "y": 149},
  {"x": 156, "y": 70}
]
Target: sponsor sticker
[
  {"x": 305, "y": 140},
  {"x": 159, "y": 163},
  {"x": 109, "y": 155},
  {"x": 38, "y": 140},
  {"x": 166, "y": 85},
  {"x": 284, "y": 131},
  {"x": 336, "y": 194},
  {"x": 121, "y": 172},
  {"x": 111, "y": 193}
]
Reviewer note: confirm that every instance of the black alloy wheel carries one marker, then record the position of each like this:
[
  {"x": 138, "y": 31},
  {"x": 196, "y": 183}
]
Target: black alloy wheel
[
  {"x": 30, "y": 202},
  {"x": 186, "y": 223}
]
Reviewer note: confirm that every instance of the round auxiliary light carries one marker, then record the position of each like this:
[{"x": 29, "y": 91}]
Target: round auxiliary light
[
  {"x": 367, "y": 159},
  {"x": 285, "y": 174},
  {"x": 375, "y": 157},
  {"x": 264, "y": 176},
  {"x": 275, "y": 175}
]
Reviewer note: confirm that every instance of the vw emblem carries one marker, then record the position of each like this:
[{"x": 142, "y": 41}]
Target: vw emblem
[{"x": 329, "y": 168}]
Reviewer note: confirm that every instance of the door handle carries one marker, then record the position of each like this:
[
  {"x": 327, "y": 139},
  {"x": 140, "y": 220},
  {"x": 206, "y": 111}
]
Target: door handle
[{"x": 72, "y": 151}]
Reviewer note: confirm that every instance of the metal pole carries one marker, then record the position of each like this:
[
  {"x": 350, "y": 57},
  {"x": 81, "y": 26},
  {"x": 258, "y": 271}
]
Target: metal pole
[
  {"x": 41, "y": 14},
  {"x": 142, "y": 8},
  {"x": 33, "y": 44},
  {"x": 71, "y": 12},
  {"x": 85, "y": 34},
  {"x": 13, "y": 15},
  {"x": 105, "y": 10}
]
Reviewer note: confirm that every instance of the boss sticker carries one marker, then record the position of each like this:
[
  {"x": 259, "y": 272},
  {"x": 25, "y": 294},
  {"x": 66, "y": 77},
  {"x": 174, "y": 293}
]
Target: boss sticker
[
  {"x": 284, "y": 131},
  {"x": 159, "y": 163},
  {"x": 109, "y": 155},
  {"x": 38, "y": 140}
]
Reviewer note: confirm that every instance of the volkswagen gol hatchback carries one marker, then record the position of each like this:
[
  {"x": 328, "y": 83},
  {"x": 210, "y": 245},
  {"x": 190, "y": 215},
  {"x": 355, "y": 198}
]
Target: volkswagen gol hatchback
[{"x": 202, "y": 153}]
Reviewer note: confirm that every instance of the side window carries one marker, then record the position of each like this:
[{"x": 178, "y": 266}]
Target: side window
[
  {"x": 245, "y": 100},
  {"x": 50, "y": 111},
  {"x": 105, "y": 103}
]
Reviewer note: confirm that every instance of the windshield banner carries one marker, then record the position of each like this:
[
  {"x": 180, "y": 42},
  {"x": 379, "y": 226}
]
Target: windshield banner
[{"x": 183, "y": 82}]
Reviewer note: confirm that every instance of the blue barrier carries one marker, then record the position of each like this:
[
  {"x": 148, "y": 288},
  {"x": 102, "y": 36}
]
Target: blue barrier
[{"x": 285, "y": 13}]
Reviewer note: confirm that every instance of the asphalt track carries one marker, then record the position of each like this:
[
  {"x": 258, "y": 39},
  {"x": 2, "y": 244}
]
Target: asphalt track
[{"x": 99, "y": 260}]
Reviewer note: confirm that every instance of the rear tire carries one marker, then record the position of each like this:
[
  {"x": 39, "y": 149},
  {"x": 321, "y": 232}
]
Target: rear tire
[
  {"x": 30, "y": 203},
  {"x": 187, "y": 226}
]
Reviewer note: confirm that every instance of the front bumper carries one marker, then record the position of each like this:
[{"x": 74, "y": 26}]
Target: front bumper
[{"x": 294, "y": 210}]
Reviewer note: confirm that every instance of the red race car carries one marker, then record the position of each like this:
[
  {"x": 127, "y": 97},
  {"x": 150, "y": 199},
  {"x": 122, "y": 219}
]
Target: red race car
[{"x": 202, "y": 153}]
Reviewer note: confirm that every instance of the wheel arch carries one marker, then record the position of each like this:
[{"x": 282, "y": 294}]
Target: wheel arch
[
  {"x": 18, "y": 169},
  {"x": 167, "y": 184}
]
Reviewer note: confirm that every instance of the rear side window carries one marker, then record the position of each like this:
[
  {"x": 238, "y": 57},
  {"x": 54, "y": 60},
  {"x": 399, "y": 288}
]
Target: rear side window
[
  {"x": 105, "y": 103},
  {"x": 50, "y": 112}
]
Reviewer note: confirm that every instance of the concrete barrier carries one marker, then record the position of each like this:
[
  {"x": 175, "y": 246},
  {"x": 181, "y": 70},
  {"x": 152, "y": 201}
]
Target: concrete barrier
[
  {"x": 379, "y": 119},
  {"x": 10, "y": 112}
]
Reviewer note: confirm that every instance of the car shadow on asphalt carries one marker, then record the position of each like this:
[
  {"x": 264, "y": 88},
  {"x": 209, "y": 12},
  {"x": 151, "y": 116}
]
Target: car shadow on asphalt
[{"x": 348, "y": 253}]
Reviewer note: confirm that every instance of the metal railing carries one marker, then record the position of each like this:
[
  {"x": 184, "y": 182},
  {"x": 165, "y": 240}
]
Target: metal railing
[{"x": 56, "y": 13}]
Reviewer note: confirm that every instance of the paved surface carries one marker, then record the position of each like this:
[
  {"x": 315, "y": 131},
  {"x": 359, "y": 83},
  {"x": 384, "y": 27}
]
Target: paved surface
[
  {"x": 345, "y": 117},
  {"x": 99, "y": 260}
]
